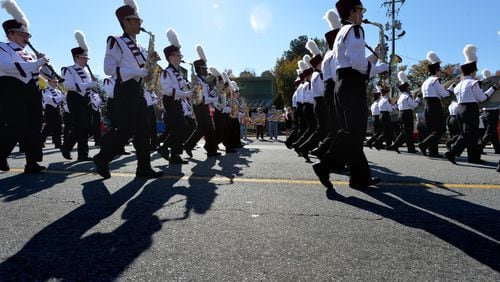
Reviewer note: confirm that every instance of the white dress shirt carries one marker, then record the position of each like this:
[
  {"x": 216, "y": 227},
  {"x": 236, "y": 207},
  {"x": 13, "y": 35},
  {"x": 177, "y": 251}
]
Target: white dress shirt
[
  {"x": 123, "y": 61},
  {"x": 406, "y": 102},
  {"x": 468, "y": 91},
  {"x": 432, "y": 88}
]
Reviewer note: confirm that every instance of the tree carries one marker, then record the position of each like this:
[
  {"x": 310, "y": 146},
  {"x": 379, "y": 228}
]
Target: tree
[
  {"x": 248, "y": 73},
  {"x": 285, "y": 76},
  {"x": 267, "y": 73}
]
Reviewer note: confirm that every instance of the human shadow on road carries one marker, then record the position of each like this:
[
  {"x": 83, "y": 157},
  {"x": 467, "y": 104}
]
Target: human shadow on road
[
  {"x": 23, "y": 185},
  {"x": 418, "y": 207},
  {"x": 64, "y": 251}
]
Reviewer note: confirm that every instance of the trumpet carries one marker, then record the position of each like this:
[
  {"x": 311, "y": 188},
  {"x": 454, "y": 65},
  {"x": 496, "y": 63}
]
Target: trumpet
[{"x": 50, "y": 67}]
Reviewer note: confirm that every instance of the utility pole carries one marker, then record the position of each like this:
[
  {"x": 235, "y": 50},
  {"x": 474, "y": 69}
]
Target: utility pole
[{"x": 393, "y": 25}]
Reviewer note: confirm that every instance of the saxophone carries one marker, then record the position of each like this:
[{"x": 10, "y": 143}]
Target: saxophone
[
  {"x": 197, "y": 97},
  {"x": 384, "y": 78},
  {"x": 151, "y": 82}
]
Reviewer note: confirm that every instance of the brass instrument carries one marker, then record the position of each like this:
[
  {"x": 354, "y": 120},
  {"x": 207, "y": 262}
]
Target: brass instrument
[
  {"x": 196, "y": 86},
  {"x": 151, "y": 82},
  {"x": 384, "y": 78}
]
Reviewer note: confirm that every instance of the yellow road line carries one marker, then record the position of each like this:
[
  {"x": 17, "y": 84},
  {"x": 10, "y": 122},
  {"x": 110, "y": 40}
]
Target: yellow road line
[{"x": 75, "y": 174}]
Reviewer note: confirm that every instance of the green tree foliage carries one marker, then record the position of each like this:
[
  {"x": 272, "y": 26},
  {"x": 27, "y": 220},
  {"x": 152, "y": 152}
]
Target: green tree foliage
[
  {"x": 285, "y": 69},
  {"x": 267, "y": 73},
  {"x": 248, "y": 73}
]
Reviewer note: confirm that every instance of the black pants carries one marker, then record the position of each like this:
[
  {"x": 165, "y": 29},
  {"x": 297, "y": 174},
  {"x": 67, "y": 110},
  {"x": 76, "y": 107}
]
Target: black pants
[
  {"x": 53, "y": 125},
  {"x": 22, "y": 113},
  {"x": 176, "y": 125},
  {"x": 491, "y": 134},
  {"x": 453, "y": 128},
  {"x": 95, "y": 125},
  {"x": 130, "y": 114},
  {"x": 232, "y": 133},
  {"x": 329, "y": 99},
  {"x": 203, "y": 128},
  {"x": 220, "y": 126},
  {"x": 434, "y": 120},
  {"x": 295, "y": 128},
  {"x": 152, "y": 131},
  {"x": 377, "y": 130},
  {"x": 468, "y": 117},
  {"x": 352, "y": 114},
  {"x": 80, "y": 118},
  {"x": 310, "y": 124},
  {"x": 386, "y": 129},
  {"x": 323, "y": 125},
  {"x": 406, "y": 135}
]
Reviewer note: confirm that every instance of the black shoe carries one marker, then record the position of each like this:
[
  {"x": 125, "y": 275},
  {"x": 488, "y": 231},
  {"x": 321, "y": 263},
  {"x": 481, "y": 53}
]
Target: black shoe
[
  {"x": 395, "y": 148},
  {"x": 101, "y": 168},
  {"x": 175, "y": 159},
  {"x": 66, "y": 154},
  {"x": 378, "y": 146},
  {"x": 369, "y": 145},
  {"x": 34, "y": 168},
  {"x": 215, "y": 154},
  {"x": 305, "y": 155},
  {"x": 288, "y": 146},
  {"x": 189, "y": 152},
  {"x": 4, "y": 165},
  {"x": 364, "y": 184},
  {"x": 423, "y": 149},
  {"x": 450, "y": 157},
  {"x": 436, "y": 156},
  {"x": 324, "y": 176},
  {"x": 84, "y": 159},
  {"x": 148, "y": 173},
  {"x": 165, "y": 153},
  {"x": 230, "y": 151},
  {"x": 477, "y": 161},
  {"x": 412, "y": 151},
  {"x": 57, "y": 146},
  {"x": 124, "y": 153},
  {"x": 316, "y": 152}
]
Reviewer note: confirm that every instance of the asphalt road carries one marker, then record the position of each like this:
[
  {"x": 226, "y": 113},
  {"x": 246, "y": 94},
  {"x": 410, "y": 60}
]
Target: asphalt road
[{"x": 259, "y": 214}]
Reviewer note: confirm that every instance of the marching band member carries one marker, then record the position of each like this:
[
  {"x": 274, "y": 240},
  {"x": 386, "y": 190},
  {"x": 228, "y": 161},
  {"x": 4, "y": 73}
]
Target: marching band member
[
  {"x": 406, "y": 104},
  {"x": 433, "y": 91},
  {"x": 79, "y": 84},
  {"x": 21, "y": 105},
  {"x": 218, "y": 116},
  {"x": 204, "y": 126},
  {"x": 490, "y": 116},
  {"x": 52, "y": 100},
  {"x": 308, "y": 104},
  {"x": 296, "y": 115},
  {"x": 377, "y": 130},
  {"x": 353, "y": 70},
  {"x": 175, "y": 87},
  {"x": 125, "y": 59},
  {"x": 320, "y": 107},
  {"x": 151, "y": 100},
  {"x": 329, "y": 70},
  {"x": 108, "y": 84},
  {"x": 385, "y": 109},
  {"x": 95, "y": 117},
  {"x": 452, "y": 123},
  {"x": 468, "y": 95}
]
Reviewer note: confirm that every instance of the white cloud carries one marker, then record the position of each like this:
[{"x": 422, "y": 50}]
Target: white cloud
[
  {"x": 216, "y": 6},
  {"x": 261, "y": 18},
  {"x": 498, "y": 32}
]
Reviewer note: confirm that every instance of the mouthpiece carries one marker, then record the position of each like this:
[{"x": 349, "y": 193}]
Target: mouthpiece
[
  {"x": 142, "y": 29},
  {"x": 366, "y": 21},
  {"x": 182, "y": 61}
]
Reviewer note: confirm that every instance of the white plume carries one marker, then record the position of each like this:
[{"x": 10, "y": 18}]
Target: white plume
[
  {"x": 402, "y": 77},
  {"x": 302, "y": 66},
  {"x": 173, "y": 38},
  {"x": 470, "y": 53},
  {"x": 298, "y": 71},
  {"x": 379, "y": 89},
  {"x": 234, "y": 85},
  {"x": 80, "y": 39},
  {"x": 307, "y": 60},
  {"x": 486, "y": 73},
  {"x": 13, "y": 9},
  {"x": 214, "y": 71},
  {"x": 201, "y": 52},
  {"x": 225, "y": 77},
  {"x": 333, "y": 19},
  {"x": 313, "y": 48},
  {"x": 433, "y": 58},
  {"x": 132, "y": 4}
]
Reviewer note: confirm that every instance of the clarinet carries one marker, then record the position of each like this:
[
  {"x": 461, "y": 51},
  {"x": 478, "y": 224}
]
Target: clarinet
[{"x": 50, "y": 67}]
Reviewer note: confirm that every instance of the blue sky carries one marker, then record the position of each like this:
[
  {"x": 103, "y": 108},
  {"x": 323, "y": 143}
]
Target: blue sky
[{"x": 252, "y": 34}]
